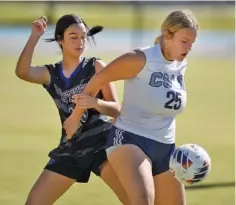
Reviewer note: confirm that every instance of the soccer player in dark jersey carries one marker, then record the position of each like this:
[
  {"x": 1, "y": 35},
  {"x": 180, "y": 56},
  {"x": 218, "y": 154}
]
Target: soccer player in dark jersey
[{"x": 63, "y": 80}]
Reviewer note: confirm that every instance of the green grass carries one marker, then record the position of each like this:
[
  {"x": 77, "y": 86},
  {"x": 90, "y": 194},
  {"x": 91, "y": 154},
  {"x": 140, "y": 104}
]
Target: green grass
[
  {"x": 125, "y": 15},
  {"x": 30, "y": 128}
]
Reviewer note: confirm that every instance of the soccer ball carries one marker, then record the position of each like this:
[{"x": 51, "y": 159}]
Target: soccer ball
[{"x": 190, "y": 164}]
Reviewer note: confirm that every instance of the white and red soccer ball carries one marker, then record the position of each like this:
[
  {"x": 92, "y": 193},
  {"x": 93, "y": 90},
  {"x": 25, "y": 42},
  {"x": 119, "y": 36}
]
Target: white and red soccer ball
[{"x": 190, "y": 163}]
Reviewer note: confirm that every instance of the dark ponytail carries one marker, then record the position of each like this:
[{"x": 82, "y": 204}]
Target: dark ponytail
[
  {"x": 67, "y": 20},
  {"x": 94, "y": 30}
]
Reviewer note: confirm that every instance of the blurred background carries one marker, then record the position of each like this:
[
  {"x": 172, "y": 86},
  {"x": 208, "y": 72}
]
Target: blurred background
[{"x": 30, "y": 125}]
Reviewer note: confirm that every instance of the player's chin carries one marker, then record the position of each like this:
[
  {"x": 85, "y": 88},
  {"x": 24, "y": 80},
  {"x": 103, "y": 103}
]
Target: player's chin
[
  {"x": 181, "y": 57},
  {"x": 77, "y": 53},
  {"x": 78, "y": 50}
]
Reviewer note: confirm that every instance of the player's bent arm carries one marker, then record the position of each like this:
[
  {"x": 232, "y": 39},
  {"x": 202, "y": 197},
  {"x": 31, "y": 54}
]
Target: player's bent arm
[
  {"x": 25, "y": 71},
  {"x": 110, "y": 105},
  {"x": 124, "y": 67}
]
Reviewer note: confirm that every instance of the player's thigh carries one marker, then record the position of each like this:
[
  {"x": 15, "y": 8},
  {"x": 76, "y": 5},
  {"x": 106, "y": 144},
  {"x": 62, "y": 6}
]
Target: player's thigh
[
  {"x": 134, "y": 170},
  {"x": 48, "y": 188},
  {"x": 168, "y": 191},
  {"x": 109, "y": 176}
]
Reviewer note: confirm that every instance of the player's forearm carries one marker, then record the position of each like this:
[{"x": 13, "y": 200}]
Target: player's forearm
[
  {"x": 108, "y": 108},
  {"x": 77, "y": 114},
  {"x": 24, "y": 61},
  {"x": 91, "y": 89}
]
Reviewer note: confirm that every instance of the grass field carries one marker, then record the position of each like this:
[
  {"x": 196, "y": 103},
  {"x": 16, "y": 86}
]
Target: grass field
[
  {"x": 18, "y": 13},
  {"x": 30, "y": 128}
]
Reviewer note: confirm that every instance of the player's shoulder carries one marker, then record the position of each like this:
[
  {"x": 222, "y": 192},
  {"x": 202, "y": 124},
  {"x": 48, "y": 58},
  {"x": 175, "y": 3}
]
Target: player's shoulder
[
  {"x": 146, "y": 48},
  {"x": 150, "y": 52},
  {"x": 53, "y": 66},
  {"x": 90, "y": 61}
]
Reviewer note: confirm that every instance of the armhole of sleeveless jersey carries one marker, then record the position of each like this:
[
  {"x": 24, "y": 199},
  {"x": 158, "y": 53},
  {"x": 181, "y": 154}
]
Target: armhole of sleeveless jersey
[
  {"x": 143, "y": 68},
  {"x": 94, "y": 59},
  {"x": 49, "y": 68}
]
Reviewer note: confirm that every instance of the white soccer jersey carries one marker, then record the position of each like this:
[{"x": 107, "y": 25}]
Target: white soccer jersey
[{"x": 154, "y": 97}]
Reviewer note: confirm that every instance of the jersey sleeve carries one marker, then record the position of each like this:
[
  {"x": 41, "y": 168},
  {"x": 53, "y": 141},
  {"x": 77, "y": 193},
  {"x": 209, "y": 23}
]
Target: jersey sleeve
[{"x": 92, "y": 62}]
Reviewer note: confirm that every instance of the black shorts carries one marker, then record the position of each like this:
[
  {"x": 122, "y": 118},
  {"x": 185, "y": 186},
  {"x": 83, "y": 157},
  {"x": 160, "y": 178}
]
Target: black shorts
[
  {"x": 83, "y": 154},
  {"x": 78, "y": 170}
]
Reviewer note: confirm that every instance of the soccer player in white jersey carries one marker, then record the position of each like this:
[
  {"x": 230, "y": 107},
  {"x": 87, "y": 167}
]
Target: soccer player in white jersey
[{"x": 143, "y": 137}]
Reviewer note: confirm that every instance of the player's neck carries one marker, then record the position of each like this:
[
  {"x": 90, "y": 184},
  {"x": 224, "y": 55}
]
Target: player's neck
[{"x": 70, "y": 63}]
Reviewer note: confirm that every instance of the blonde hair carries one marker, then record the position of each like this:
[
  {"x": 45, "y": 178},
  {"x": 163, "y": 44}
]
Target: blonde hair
[{"x": 177, "y": 20}]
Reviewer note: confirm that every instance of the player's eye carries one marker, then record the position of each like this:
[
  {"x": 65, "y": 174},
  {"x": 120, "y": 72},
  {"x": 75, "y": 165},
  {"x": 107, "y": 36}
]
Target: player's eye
[{"x": 74, "y": 37}]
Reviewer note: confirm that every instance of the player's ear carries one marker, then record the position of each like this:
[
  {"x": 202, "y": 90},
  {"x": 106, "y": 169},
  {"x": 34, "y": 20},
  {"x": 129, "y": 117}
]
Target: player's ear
[
  {"x": 59, "y": 40},
  {"x": 167, "y": 35}
]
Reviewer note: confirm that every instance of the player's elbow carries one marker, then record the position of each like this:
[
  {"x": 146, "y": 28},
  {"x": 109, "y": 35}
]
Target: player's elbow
[
  {"x": 116, "y": 111},
  {"x": 20, "y": 74},
  {"x": 116, "y": 114}
]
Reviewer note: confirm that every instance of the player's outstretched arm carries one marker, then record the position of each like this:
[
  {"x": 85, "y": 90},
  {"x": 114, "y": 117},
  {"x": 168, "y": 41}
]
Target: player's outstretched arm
[{"x": 24, "y": 70}]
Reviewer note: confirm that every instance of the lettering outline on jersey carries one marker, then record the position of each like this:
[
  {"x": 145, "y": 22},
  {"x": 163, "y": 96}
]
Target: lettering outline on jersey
[
  {"x": 66, "y": 96},
  {"x": 65, "y": 102}
]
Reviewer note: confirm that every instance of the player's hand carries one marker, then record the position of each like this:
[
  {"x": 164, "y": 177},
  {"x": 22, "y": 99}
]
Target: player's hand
[
  {"x": 71, "y": 126},
  {"x": 85, "y": 101},
  {"x": 39, "y": 26}
]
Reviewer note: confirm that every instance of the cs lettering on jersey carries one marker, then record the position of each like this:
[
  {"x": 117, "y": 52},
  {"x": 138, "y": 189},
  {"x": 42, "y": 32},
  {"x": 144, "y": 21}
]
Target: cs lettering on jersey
[{"x": 159, "y": 79}]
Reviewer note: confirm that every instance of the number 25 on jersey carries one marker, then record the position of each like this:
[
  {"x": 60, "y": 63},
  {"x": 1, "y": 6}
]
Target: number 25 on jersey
[{"x": 174, "y": 101}]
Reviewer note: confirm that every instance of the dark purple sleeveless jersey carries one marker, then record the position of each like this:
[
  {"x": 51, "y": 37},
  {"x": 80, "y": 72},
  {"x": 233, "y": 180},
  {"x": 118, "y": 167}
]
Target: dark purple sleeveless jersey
[{"x": 62, "y": 89}]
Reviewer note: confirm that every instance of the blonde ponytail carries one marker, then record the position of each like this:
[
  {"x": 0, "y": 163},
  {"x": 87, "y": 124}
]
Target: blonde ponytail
[{"x": 157, "y": 40}]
